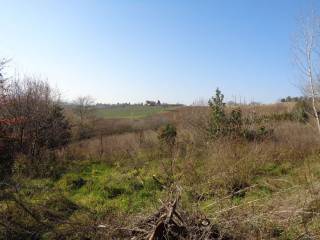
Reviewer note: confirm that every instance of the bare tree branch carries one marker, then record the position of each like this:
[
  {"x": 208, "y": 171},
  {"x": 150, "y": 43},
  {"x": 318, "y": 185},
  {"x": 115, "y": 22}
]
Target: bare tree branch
[{"x": 307, "y": 58}]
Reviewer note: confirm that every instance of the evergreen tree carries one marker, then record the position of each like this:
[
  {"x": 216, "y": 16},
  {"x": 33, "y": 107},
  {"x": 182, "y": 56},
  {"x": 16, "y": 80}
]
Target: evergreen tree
[{"x": 218, "y": 116}]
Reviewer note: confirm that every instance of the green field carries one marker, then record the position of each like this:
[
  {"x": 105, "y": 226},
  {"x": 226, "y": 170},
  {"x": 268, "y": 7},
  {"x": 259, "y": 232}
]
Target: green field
[{"x": 132, "y": 112}]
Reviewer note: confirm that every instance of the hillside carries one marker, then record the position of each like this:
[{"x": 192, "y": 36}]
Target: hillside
[
  {"x": 261, "y": 186},
  {"x": 96, "y": 145}
]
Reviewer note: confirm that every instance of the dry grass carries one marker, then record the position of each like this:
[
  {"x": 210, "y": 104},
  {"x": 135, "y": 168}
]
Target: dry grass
[{"x": 266, "y": 189}]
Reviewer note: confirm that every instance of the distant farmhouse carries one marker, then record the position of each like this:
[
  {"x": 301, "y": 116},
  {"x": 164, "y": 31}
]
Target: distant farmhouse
[{"x": 153, "y": 103}]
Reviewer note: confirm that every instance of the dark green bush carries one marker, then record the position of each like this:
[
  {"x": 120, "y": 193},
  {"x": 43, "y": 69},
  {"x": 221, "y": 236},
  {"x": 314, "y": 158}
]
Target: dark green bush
[
  {"x": 257, "y": 134},
  {"x": 167, "y": 135},
  {"x": 84, "y": 131},
  {"x": 235, "y": 122},
  {"x": 233, "y": 125},
  {"x": 218, "y": 118},
  {"x": 301, "y": 111}
]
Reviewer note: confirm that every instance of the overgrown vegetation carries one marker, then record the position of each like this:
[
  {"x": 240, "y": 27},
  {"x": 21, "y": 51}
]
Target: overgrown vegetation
[
  {"x": 242, "y": 173},
  {"x": 35, "y": 124},
  {"x": 233, "y": 125}
]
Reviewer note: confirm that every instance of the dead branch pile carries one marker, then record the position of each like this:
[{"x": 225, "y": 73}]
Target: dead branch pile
[{"x": 171, "y": 222}]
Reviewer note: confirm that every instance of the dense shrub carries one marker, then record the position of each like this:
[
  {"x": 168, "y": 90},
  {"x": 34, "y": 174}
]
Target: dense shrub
[
  {"x": 43, "y": 124},
  {"x": 56, "y": 129},
  {"x": 167, "y": 138},
  {"x": 233, "y": 125},
  {"x": 84, "y": 131},
  {"x": 258, "y": 134},
  {"x": 167, "y": 135},
  {"x": 45, "y": 165},
  {"x": 39, "y": 126},
  {"x": 235, "y": 122},
  {"x": 301, "y": 111}
]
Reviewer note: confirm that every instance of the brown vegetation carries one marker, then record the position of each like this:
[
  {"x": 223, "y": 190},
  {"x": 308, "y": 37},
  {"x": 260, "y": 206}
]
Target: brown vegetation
[{"x": 258, "y": 180}]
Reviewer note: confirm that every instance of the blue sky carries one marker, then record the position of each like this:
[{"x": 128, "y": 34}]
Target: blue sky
[{"x": 175, "y": 51}]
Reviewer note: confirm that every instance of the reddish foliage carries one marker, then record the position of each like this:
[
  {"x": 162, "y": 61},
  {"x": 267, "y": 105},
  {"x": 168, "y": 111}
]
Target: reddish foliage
[{"x": 13, "y": 121}]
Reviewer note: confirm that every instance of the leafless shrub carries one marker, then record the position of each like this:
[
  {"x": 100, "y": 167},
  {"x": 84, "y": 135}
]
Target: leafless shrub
[{"x": 38, "y": 120}]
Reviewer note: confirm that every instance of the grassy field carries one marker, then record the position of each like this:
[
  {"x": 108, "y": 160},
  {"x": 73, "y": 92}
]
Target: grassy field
[
  {"x": 131, "y": 112},
  {"x": 99, "y": 188}
]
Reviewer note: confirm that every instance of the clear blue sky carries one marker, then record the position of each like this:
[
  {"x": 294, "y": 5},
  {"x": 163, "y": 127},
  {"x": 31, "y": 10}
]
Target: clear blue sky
[{"x": 175, "y": 51}]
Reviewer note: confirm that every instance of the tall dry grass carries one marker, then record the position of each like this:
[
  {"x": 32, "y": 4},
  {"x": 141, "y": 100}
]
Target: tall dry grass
[{"x": 250, "y": 189}]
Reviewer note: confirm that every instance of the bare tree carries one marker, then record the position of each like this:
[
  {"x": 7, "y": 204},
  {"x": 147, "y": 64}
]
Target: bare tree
[
  {"x": 32, "y": 123},
  {"x": 3, "y": 62},
  {"x": 83, "y": 106},
  {"x": 307, "y": 58},
  {"x": 35, "y": 106}
]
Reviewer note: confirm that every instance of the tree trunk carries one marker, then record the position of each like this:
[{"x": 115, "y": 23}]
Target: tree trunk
[{"x": 313, "y": 96}]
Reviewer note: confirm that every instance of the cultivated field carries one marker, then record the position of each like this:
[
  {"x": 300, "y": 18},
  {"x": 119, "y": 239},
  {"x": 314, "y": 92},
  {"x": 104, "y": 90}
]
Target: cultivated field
[{"x": 131, "y": 112}]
